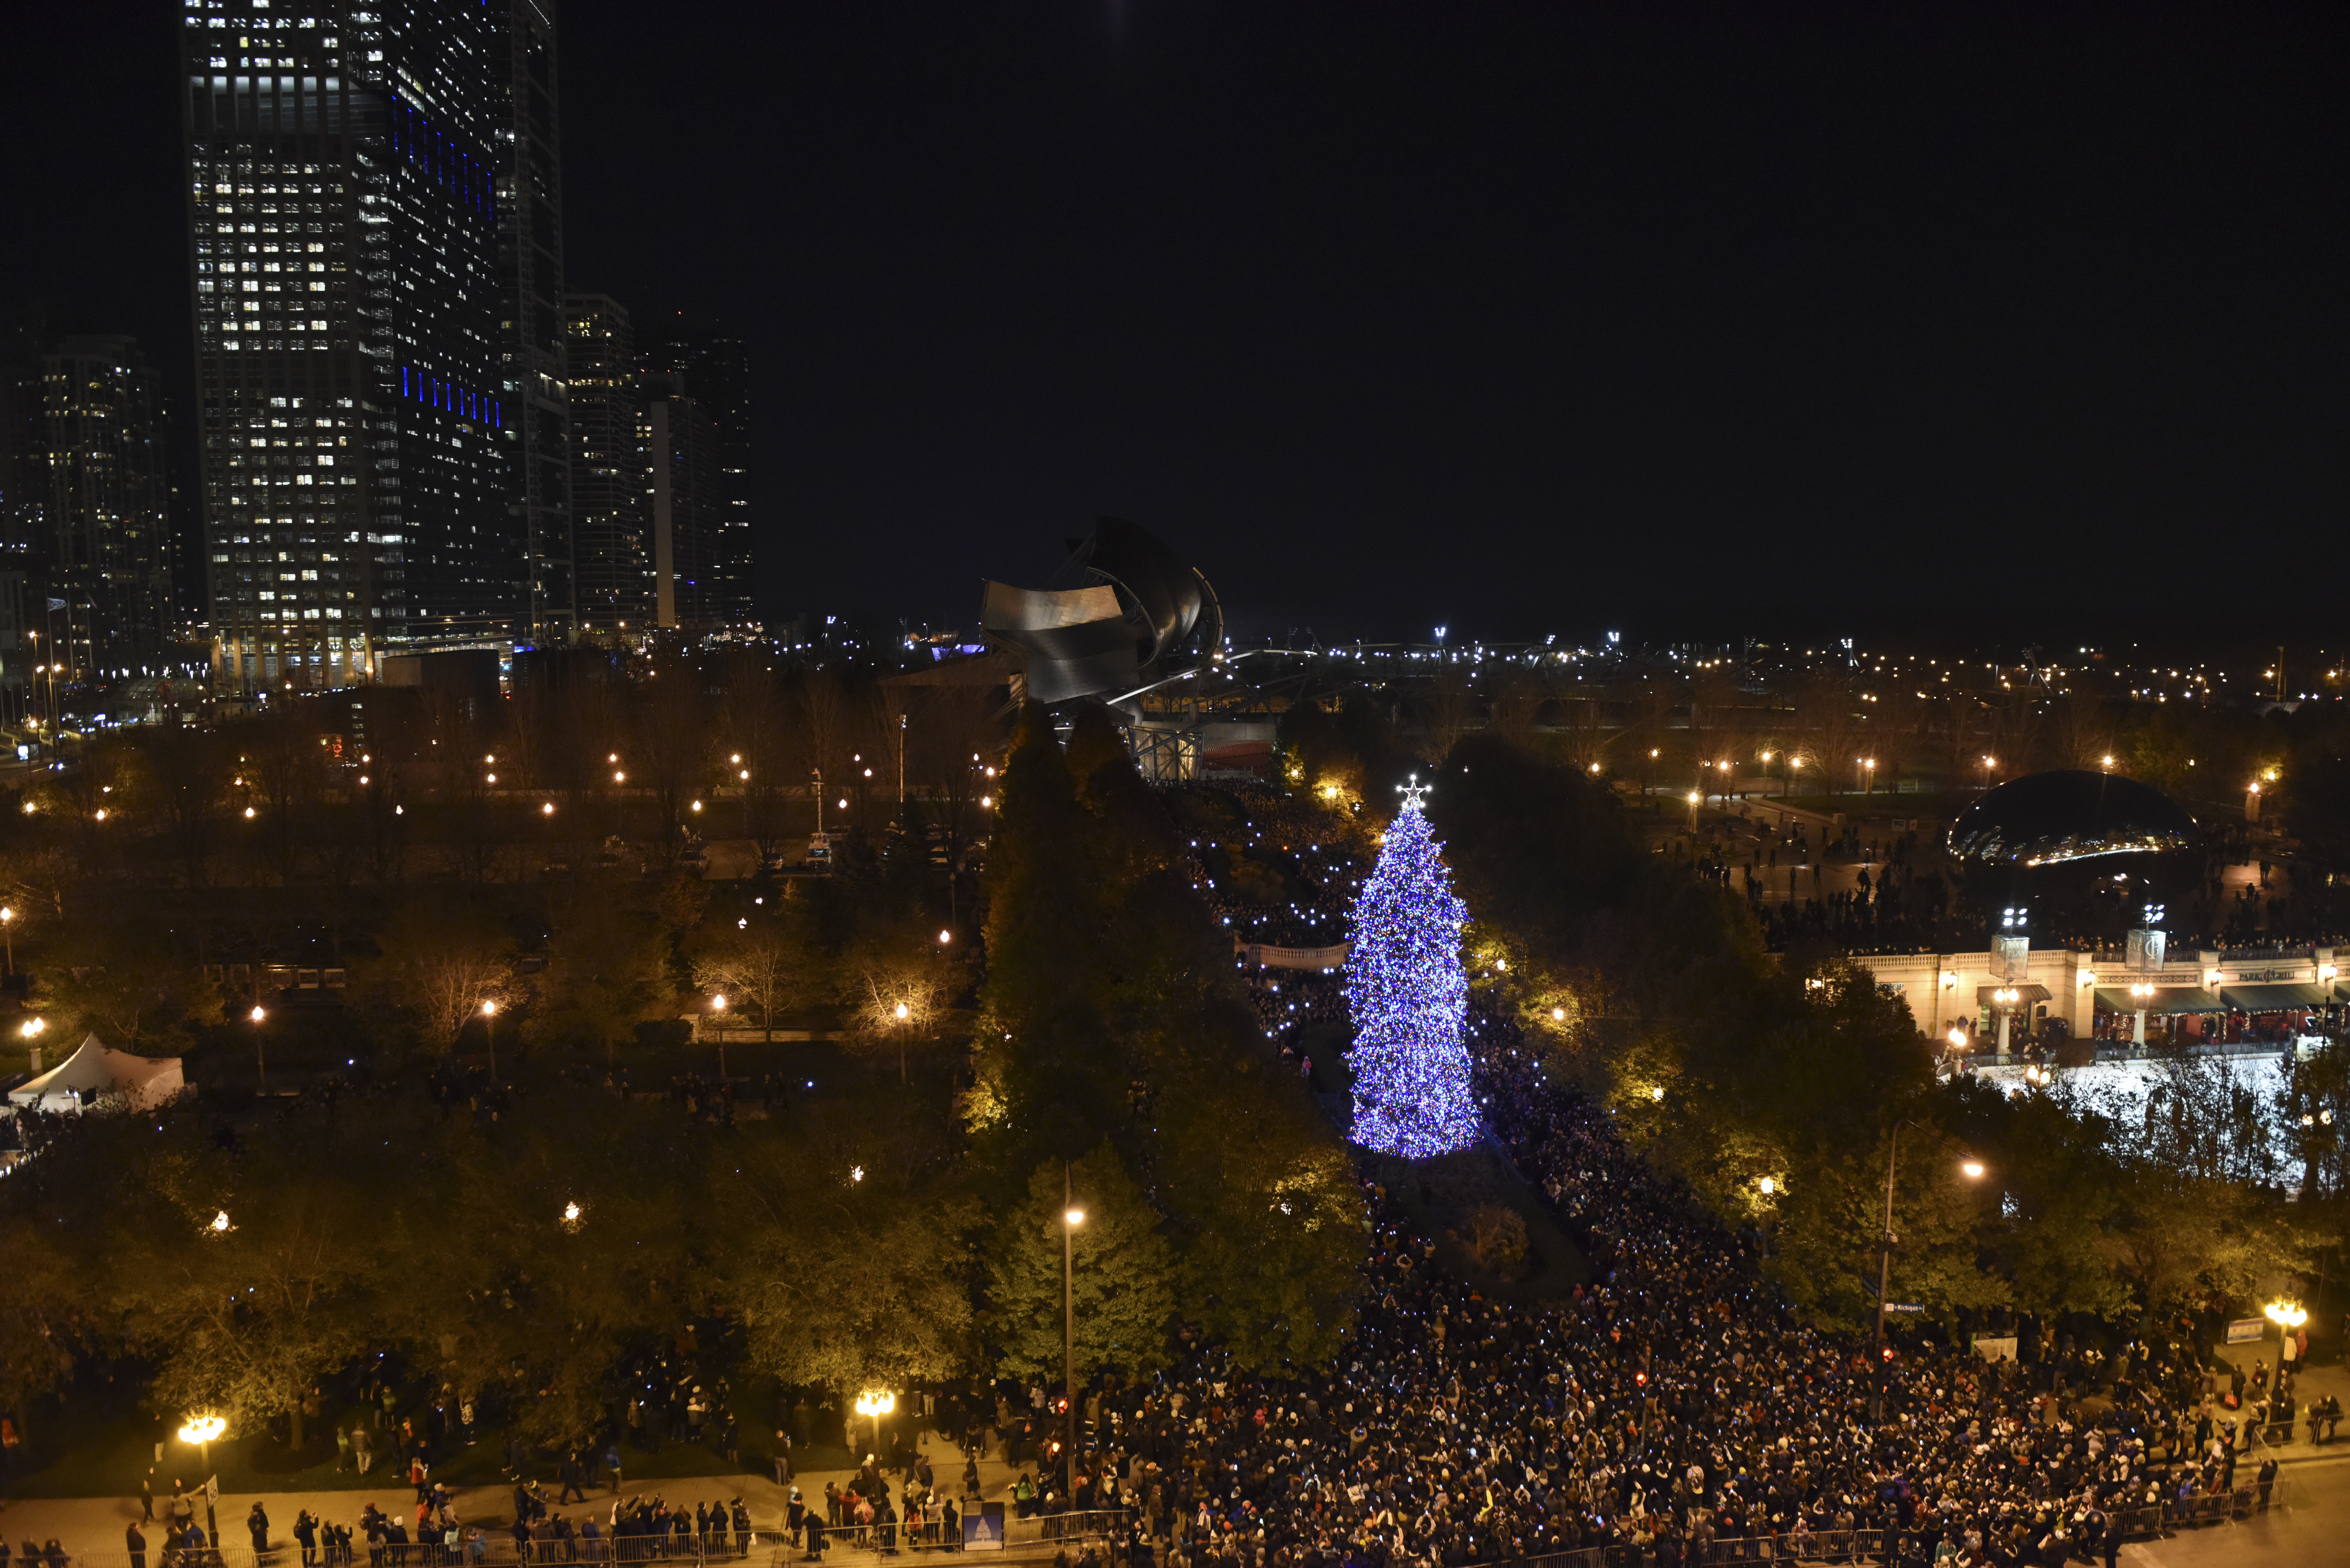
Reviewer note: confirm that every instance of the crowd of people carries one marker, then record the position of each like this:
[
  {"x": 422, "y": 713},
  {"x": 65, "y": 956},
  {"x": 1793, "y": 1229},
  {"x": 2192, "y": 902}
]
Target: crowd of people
[{"x": 1670, "y": 1403}]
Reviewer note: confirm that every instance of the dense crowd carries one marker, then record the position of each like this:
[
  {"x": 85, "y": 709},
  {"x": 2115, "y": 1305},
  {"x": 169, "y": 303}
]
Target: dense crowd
[{"x": 1670, "y": 1403}]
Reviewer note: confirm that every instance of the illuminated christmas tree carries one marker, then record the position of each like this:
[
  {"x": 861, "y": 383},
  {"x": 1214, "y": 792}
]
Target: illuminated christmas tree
[{"x": 1407, "y": 994}]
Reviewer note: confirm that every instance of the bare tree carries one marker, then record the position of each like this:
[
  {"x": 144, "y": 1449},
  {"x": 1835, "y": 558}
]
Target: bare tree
[{"x": 759, "y": 966}]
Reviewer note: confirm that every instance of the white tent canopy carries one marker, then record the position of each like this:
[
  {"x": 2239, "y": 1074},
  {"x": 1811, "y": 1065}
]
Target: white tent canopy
[{"x": 94, "y": 1071}]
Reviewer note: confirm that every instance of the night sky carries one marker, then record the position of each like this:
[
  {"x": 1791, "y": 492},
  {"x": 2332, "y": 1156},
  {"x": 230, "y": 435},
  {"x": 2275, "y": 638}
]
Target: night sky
[{"x": 1691, "y": 320}]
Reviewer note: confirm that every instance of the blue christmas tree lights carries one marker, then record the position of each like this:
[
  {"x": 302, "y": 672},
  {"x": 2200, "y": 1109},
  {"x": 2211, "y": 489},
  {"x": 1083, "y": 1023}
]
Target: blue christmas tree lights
[{"x": 1407, "y": 993}]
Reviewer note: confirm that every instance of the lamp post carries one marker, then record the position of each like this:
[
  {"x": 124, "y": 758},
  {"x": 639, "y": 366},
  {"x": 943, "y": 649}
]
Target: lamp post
[
  {"x": 1868, "y": 775},
  {"x": 1071, "y": 1218},
  {"x": 876, "y": 1403},
  {"x": 718, "y": 1011},
  {"x": 490, "y": 1024},
  {"x": 903, "y": 1016},
  {"x": 1973, "y": 1170},
  {"x": 260, "y": 1058},
  {"x": 8, "y": 933},
  {"x": 201, "y": 1430}
]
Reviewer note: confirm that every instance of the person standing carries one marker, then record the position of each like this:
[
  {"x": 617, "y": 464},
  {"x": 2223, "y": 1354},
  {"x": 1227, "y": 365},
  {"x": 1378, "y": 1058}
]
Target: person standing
[
  {"x": 147, "y": 1498},
  {"x": 2267, "y": 1479},
  {"x": 256, "y": 1524},
  {"x": 135, "y": 1543},
  {"x": 306, "y": 1530}
]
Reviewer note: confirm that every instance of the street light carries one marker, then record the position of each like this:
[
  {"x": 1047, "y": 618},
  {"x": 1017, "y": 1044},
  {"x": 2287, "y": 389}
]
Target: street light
[
  {"x": 1071, "y": 1218},
  {"x": 876, "y": 1403},
  {"x": 201, "y": 1430},
  {"x": 8, "y": 933},
  {"x": 260, "y": 1062},
  {"x": 490, "y": 1026}
]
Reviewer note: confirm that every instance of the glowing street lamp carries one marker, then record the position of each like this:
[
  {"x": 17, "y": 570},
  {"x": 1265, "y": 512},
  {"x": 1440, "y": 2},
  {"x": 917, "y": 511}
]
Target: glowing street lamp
[
  {"x": 260, "y": 1062},
  {"x": 490, "y": 1026},
  {"x": 8, "y": 933},
  {"x": 876, "y": 1403},
  {"x": 571, "y": 1215},
  {"x": 201, "y": 1430},
  {"x": 1071, "y": 1218}
]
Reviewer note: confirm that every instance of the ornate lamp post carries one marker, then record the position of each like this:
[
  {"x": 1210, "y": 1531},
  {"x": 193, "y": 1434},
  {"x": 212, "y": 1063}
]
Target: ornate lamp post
[{"x": 201, "y": 1430}]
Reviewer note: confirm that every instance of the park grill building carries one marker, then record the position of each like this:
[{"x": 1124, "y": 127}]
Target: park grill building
[{"x": 355, "y": 337}]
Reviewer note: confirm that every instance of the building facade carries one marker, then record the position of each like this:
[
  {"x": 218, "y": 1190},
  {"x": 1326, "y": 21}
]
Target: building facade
[
  {"x": 611, "y": 520},
  {"x": 530, "y": 258},
  {"x": 357, "y": 436},
  {"x": 2188, "y": 998},
  {"x": 107, "y": 549},
  {"x": 711, "y": 365},
  {"x": 681, "y": 450}
]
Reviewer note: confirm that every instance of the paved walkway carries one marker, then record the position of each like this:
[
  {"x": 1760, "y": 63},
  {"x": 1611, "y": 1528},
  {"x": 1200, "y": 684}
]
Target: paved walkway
[
  {"x": 2310, "y": 1384},
  {"x": 96, "y": 1525}
]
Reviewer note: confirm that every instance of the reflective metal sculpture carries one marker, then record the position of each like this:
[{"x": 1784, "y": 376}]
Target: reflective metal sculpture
[
  {"x": 1139, "y": 604},
  {"x": 2051, "y": 818}
]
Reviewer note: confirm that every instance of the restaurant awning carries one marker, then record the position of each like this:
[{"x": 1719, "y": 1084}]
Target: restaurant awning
[
  {"x": 2026, "y": 995},
  {"x": 2274, "y": 998},
  {"x": 2166, "y": 999}
]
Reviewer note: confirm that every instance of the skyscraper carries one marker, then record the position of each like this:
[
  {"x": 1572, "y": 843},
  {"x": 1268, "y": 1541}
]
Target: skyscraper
[
  {"x": 681, "y": 450},
  {"x": 611, "y": 517},
  {"x": 357, "y": 441},
  {"x": 530, "y": 263},
  {"x": 712, "y": 366},
  {"x": 107, "y": 545}
]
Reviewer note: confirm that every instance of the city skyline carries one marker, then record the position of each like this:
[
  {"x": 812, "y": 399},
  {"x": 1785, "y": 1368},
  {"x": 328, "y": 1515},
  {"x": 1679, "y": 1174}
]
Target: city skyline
[{"x": 2145, "y": 364}]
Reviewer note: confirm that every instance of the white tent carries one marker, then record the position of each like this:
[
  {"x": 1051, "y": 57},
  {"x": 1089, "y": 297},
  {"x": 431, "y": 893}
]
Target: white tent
[{"x": 94, "y": 1072}]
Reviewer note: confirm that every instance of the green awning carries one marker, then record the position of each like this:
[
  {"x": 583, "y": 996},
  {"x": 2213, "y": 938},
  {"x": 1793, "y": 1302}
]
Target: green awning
[
  {"x": 2275, "y": 998},
  {"x": 2166, "y": 999}
]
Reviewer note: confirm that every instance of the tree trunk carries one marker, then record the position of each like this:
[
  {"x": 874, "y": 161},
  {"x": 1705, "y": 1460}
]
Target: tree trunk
[{"x": 294, "y": 1415}]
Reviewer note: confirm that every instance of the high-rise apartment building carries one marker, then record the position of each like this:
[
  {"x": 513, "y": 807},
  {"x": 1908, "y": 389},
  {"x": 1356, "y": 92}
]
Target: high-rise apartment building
[
  {"x": 713, "y": 367},
  {"x": 610, "y": 517},
  {"x": 108, "y": 544},
  {"x": 357, "y": 439},
  {"x": 530, "y": 258}
]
